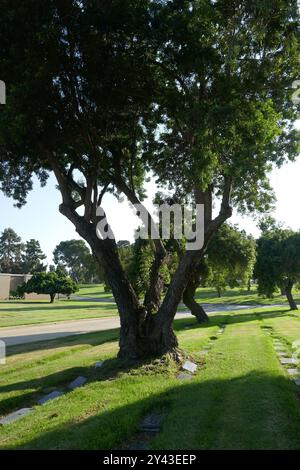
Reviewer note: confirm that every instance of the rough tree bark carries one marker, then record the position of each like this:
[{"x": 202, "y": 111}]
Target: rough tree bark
[
  {"x": 289, "y": 295},
  {"x": 189, "y": 300},
  {"x": 52, "y": 297},
  {"x": 189, "y": 294}
]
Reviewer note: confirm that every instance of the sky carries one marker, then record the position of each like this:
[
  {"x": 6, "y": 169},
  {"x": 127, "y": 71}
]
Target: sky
[{"x": 40, "y": 218}]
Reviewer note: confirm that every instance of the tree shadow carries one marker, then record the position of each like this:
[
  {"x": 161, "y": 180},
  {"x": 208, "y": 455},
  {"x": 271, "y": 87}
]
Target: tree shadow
[
  {"x": 112, "y": 369},
  {"x": 252, "y": 411},
  {"x": 227, "y": 318}
]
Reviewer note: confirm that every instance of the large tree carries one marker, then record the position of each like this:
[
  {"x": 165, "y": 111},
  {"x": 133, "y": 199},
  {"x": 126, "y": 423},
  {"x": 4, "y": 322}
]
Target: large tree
[{"x": 99, "y": 92}]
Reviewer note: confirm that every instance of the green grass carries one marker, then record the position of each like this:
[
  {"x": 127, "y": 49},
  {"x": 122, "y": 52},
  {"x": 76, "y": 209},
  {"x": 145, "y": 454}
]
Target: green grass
[
  {"x": 14, "y": 313},
  {"x": 240, "y": 296},
  {"x": 17, "y": 313},
  {"x": 93, "y": 290},
  {"x": 240, "y": 397},
  {"x": 29, "y": 312}
]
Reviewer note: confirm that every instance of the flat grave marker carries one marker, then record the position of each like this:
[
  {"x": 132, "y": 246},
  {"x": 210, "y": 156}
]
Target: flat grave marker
[
  {"x": 293, "y": 371},
  {"x": 190, "y": 366},
  {"x": 183, "y": 376},
  {"x": 49, "y": 397},
  {"x": 11, "y": 418},
  {"x": 98, "y": 364},
  {"x": 78, "y": 382},
  {"x": 287, "y": 360}
]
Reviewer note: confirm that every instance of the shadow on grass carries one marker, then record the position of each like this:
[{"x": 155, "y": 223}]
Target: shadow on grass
[
  {"x": 227, "y": 318},
  {"x": 252, "y": 411},
  {"x": 112, "y": 369}
]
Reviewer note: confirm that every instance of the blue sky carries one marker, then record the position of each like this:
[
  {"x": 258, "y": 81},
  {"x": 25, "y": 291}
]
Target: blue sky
[{"x": 41, "y": 219}]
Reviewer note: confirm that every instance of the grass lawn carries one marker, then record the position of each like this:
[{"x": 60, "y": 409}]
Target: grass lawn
[
  {"x": 28, "y": 312},
  {"x": 240, "y": 296},
  {"x": 14, "y": 313},
  {"x": 240, "y": 397}
]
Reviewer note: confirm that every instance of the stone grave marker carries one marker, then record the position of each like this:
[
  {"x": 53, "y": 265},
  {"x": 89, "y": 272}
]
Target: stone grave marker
[
  {"x": 153, "y": 422},
  {"x": 77, "y": 382},
  {"x": 293, "y": 371},
  {"x": 287, "y": 360},
  {"x": 98, "y": 364},
  {"x": 15, "y": 416},
  {"x": 183, "y": 376},
  {"x": 49, "y": 397},
  {"x": 189, "y": 366}
]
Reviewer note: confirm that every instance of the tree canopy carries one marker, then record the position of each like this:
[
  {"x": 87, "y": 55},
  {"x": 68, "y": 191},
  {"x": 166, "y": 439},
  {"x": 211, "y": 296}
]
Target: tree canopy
[
  {"x": 230, "y": 259},
  {"x": 32, "y": 257},
  {"x": 10, "y": 251},
  {"x": 278, "y": 262},
  {"x": 75, "y": 256},
  {"x": 101, "y": 93}
]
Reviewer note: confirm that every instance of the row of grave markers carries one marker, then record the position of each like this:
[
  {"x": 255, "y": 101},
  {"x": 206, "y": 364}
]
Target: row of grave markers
[
  {"x": 189, "y": 368},
  {"x": 78, "y": 382},
  {"x": 153, "y": 421},
  {"x": 293, "y": 372}
]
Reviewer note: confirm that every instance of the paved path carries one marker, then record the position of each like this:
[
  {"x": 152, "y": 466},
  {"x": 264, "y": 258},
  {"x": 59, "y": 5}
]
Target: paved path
[{"x": 46, "y": 331}]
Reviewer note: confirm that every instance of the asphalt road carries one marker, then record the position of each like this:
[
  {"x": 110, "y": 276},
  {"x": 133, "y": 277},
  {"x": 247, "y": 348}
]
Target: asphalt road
[{"x": 46, "y": 331}]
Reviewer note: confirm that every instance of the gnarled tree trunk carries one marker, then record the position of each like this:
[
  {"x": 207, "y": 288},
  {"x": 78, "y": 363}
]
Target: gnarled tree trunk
[
  {"x": 146, "y": 330},
  {"x": 189, "y": 299},
  {"x": 289, "y": 295}
]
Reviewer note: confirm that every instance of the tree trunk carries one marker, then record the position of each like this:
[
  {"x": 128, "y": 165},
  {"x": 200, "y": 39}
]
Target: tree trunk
[
  {"x": 52, "y": 297},
  {"x": 142, "y": 333},
  {"x": 289, "y": 295},
  {"x": 190, "y": 302}
]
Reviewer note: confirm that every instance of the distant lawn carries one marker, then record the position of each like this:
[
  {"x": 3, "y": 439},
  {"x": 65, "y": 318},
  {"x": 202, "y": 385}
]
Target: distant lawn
[
  {"x": 240, "y": 296},
  {"x": 14, "y": 313},
  {"x": 93, "y": 290},
  {"x": 240, "y": 397}
]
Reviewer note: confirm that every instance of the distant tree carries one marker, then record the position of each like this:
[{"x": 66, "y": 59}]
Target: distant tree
[
  {"x": 32, "y": 257},
  {"x": 75, "y": 256},
  {"x": 231, "y": 258},
  {"x": 229, "y": 261},
  {"x": 10, "y": 251},
  {"x": 61, "y": 270},
  {"x": 269, "y": 224},
  {"x": 278, "y": 263},
  {"x": 49, "y": 283}
]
